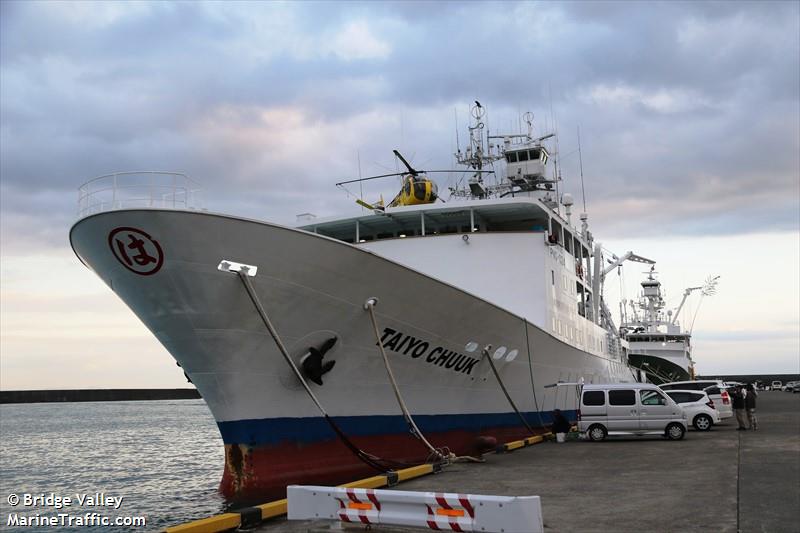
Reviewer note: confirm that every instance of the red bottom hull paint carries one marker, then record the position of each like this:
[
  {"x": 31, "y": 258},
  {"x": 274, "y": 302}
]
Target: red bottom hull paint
[{"x": 262, "y": 473}]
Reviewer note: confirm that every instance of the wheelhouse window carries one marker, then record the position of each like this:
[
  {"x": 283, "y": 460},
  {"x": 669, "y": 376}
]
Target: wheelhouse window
[
  {"x": 555, "y": 232},
  {"x": 523, "y": 155},
  {"x": 511, "y": 157},
  {"x": 567, "y": 241}
]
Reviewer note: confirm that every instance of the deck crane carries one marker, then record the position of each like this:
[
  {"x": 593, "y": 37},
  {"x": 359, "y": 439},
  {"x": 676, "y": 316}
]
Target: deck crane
[{"x": 599, "y": 277}]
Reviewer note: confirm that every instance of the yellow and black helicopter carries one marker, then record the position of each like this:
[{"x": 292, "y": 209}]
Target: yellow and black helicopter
[{"x": 416, "y": 189}]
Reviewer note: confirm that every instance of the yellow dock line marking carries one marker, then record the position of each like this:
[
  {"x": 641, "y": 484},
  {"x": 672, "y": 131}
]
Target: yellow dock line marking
[
  {"x": 227, "y": 521},
  {"x": 415, "y": 471},
  {"x": 224, "y": 522},
  {"x": 517, "y": 444},
  {"x": 273, "y": 509}
]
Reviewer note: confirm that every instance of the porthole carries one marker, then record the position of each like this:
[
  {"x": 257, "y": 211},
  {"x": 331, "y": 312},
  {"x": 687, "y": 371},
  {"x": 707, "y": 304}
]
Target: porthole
[
  {"x": 500, "y": 352},
  {"x": 512, "y": 355},
  {"x": 471, "y": 346}
]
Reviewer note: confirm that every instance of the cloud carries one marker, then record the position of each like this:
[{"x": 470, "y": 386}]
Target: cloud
[
  {"x": 356, "y": 41},
  {"x": 693, "y": 104},
  {"x": 667, "y": 101}
]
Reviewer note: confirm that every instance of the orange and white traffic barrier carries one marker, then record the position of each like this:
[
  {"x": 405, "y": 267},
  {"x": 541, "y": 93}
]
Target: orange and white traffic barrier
[{"x": 440, "y": 511}]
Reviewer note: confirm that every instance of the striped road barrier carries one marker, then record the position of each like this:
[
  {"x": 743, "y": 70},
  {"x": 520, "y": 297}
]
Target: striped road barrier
[{"x": 440, "y": 511}]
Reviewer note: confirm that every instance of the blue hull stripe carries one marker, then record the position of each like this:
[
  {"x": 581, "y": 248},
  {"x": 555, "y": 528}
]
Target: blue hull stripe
[{"x": 273, "y": 431}]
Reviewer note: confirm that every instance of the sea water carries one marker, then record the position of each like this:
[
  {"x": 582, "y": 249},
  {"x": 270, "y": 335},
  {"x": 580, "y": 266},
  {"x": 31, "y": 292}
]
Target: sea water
[{"x": 161, "y": 460}]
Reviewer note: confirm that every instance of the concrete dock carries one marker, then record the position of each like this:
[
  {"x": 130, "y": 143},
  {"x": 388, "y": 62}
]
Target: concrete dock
[{"x": 722, "y": 480}]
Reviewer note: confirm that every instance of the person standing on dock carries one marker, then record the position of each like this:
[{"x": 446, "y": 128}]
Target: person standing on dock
[
  {"x": 750, "y": 405},
  {"x": 561, "y": 425},
  {"x": 737, "y": 398}
]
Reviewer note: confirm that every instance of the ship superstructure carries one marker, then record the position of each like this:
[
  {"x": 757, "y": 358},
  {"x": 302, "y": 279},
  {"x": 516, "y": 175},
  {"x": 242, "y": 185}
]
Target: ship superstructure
[
  {"x": 500, "y": 230},
  {"x": 659, "y": 346},
  {"x": 315, "y": 346}
]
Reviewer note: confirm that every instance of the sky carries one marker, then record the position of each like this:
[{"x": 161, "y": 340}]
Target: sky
[{"x": 689, "y": 120}]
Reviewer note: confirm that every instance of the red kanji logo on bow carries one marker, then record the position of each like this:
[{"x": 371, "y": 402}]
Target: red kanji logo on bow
[{"x": 136, "y": 250}]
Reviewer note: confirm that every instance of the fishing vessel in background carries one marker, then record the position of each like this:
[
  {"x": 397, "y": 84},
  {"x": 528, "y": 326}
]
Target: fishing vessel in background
[
  {"x": 659, "y": 347},
  {"x": 418, "y": 329}
]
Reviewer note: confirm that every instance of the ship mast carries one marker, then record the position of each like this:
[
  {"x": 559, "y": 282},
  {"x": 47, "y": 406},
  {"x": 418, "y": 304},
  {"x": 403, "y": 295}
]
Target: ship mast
[
  {"x": 475, "y": 156},
  {"x": 526, "y": 162}
]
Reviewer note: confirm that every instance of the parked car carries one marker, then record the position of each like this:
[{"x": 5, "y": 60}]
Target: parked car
[
  {"x": 796, "y": 387},
  {"x": 789, "y": 386},
  {"x": 629, "y": 409},
  {"x": 717, "y": 390},
  {"x": 776, "y": 385},
  {"x": 699, "y": 408}
]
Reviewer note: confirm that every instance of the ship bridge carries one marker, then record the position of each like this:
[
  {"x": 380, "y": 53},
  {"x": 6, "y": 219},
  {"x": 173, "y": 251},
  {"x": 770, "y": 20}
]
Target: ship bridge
[{"x": 526, "y": 167}]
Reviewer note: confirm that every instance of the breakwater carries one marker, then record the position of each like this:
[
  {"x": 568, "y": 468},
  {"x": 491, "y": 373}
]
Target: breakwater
[{"x": 96, "y": 395}]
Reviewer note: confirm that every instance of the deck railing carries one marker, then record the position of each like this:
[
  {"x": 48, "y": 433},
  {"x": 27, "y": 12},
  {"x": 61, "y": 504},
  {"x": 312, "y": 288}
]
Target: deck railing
[{"x": 126, "y": 190}]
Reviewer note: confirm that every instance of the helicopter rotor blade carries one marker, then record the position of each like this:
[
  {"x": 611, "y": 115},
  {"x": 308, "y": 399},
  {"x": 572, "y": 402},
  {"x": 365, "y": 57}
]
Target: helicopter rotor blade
[
  {"x": 417, "y": 171},
  {"x": 373, "y": 178},
  {"x": 403, "y": 159},
  {"x": 470, "y": 171}
]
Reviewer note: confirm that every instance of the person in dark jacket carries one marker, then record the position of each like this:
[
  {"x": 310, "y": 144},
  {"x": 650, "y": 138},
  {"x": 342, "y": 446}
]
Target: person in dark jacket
[
  {"x": 560, "y": 422},
  {"x": 750, "y": 406},
  {"x": 737, "y": 401}
]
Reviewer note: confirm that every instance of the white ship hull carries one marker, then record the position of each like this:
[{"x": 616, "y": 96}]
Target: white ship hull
[{"x": 314, "y": 288}]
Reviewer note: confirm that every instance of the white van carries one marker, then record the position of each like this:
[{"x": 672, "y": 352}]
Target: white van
[{"x": 629, "y": 409}]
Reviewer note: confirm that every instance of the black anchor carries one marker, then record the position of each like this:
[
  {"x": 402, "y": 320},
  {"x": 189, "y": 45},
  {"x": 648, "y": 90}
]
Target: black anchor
[{"x": 312, "y": 365}]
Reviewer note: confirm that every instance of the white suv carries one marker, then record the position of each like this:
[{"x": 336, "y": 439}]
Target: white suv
[
  {"x": 716, "y": 390},
  {"x": 699, "y": 408}
]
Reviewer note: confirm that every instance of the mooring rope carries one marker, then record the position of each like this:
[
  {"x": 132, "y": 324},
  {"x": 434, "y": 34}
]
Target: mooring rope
[
  {"x": 487, "y": 355},
  {"x": 369, "y": 305},
  {"x": 368, "y": 459},
  {"x": 533, "y": 384}
]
